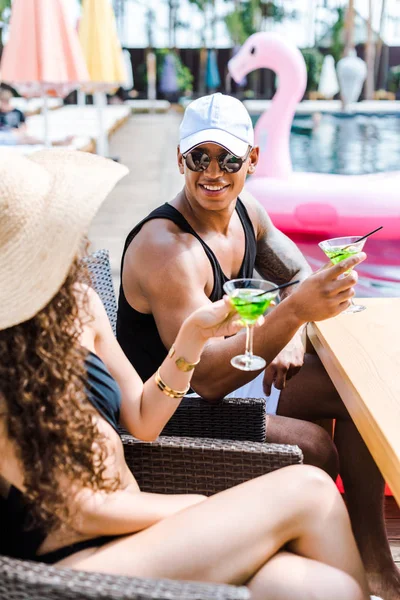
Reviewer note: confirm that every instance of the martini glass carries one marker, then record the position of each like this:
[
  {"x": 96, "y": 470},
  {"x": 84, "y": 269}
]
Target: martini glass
[
  {"x": 337, "y": 249},
  {"x": 251, "y": 298}
]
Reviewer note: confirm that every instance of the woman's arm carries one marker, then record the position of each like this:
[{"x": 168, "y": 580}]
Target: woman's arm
[
  {"x": 123, "y": 512},
  {"x": 145, "y": 408}
]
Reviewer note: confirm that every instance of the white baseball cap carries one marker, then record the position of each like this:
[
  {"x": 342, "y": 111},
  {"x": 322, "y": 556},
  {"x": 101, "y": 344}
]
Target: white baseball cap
[{"x": 217, "y": 119}]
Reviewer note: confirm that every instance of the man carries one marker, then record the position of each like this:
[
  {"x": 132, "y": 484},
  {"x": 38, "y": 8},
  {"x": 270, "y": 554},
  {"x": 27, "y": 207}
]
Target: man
[{"x": 178, "y": 259}]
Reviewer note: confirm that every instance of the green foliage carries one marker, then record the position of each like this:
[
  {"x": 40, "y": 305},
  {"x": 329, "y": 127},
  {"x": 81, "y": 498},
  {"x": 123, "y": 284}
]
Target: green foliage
[
  {"x": 270, "y": 10},
  {"x": 184, "y": 75},
  {"x": 393, "y": 83},
  {"x": 4, "y": 4},
  {"x": 239, "y": 25},
  {"x": 313, "y": 59},
  {"x": 337, "y": 36},
  {"x": 251, "y": 16},
  {"x": 201, "y": 4}
]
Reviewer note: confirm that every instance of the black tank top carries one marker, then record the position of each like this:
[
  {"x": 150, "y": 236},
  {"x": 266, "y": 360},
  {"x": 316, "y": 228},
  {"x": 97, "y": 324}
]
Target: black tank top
[
  {"x": 17, "y": 539},
  {"x": 137, "y": 332}
]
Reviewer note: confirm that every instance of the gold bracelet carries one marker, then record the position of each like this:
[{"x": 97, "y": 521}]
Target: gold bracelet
[
  {"x": 182, "y": 363},
  {"x": 166, "y": 389}
]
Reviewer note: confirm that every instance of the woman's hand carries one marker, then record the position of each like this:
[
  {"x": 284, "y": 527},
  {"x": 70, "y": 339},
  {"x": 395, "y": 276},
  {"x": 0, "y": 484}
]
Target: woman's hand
[{"x": 219, "y": 319}]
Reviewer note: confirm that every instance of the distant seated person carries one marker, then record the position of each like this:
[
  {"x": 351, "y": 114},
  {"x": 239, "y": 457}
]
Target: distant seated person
[
  {"x": 10, "y": 118},
  {"x": 13, "y": 125}
]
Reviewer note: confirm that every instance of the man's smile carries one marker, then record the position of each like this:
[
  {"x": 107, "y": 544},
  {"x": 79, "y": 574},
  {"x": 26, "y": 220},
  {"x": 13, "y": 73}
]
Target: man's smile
[{"x": 213, "y": 189}]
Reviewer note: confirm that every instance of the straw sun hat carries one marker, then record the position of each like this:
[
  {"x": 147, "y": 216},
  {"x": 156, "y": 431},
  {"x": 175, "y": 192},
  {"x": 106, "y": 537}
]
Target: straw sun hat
[{"x": 47, "y": 202}]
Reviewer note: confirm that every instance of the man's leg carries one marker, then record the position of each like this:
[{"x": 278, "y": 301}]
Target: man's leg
[
  {"x": 310, "y": 396},
  {"x": 317, "y": 446}
]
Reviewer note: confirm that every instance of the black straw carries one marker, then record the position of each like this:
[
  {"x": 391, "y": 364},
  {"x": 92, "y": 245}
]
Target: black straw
[
  {"x": 279, "y": 287},
  {"x": 366, "y": 235}
]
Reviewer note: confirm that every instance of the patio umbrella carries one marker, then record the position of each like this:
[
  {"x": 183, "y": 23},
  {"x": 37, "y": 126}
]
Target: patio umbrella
[
  {"x": 351, "y": 72},
  {"x": 213, "y": 80},
  {"x": 103, "y": 53},
  {"x": 43, "y": 56},
  {"x": 328, "y": 82},
  {"x": 169, "y": 78},
  {"x": 129, "y": 82}
]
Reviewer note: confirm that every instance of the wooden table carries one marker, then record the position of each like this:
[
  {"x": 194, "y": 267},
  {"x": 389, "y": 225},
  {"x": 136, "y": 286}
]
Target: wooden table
[{"x": 361, "y": 353}]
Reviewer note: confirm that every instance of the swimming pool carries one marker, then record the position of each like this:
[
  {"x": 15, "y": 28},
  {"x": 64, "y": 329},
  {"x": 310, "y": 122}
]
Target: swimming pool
[
  {"x": 351, "y": 145},
  {"x": 345, "y": 144}
]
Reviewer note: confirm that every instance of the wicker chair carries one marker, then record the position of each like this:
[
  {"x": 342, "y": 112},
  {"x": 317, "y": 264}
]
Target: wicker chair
[
  {"x": 231, "y": 419},
  {"x": 170, "y": 465}
]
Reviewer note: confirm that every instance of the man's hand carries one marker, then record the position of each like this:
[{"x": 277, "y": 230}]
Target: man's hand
[
  {"x": 327, "y": 292},
  {"x": 284, "y": 366}
]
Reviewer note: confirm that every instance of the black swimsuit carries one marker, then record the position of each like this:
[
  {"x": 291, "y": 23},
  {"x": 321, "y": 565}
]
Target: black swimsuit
[
  {"x": 16, "y": 538},
  {"x": 137, "y": 332}
]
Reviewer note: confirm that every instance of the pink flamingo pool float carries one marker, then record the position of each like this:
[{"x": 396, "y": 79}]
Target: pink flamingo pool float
[{"x": 329, "y": 205}]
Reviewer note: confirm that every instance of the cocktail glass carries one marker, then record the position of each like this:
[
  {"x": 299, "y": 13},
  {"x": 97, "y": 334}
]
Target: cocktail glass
[
  {"x": 251, "y": 298},
  {"x": 337, "y": 249}
]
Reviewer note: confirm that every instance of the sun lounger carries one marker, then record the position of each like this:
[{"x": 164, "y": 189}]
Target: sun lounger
[
  {"x": 144, "y": 106},
  {"x": 85, "y": 144},
  {"x": 32, "y": 106},
  {"x": 79, "y": 121}
]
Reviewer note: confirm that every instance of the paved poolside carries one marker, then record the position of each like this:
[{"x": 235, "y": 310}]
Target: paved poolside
[{"x": 147, "y": 145}]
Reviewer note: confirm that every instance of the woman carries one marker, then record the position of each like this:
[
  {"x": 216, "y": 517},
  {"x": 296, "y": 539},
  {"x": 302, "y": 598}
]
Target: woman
[{"x": 70, "y": 497}]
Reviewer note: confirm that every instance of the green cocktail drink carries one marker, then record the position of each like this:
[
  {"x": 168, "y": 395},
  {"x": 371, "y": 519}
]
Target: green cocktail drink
[
  {"x": 336, "y": 254},
  {"x": 251, "y": 298},
  {"x": 251, "y": 303},
  {"x": 338, "y": 249}
]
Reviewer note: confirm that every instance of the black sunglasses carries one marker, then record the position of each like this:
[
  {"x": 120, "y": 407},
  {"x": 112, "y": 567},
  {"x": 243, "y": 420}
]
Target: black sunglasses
[{"x": 199, "y": 160}]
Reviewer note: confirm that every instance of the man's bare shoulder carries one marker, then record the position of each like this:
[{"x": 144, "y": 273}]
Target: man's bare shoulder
[
  {"x": 162, "y": 250},
  {"x": 159, "y": 239},
  {"x": 257, "y": 213}
]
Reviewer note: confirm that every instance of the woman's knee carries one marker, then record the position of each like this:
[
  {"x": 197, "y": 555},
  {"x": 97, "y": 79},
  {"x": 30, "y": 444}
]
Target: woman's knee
[{"x": 317, "y": 496}]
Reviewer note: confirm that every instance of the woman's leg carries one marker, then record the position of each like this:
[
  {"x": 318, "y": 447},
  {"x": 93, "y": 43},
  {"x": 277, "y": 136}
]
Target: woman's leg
[
  {"x": 229, "y": 537},
  {"x": 283, "y": 577}
]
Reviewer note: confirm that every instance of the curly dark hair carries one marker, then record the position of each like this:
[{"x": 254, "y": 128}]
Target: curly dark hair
[{"x": 46, "y": 412}]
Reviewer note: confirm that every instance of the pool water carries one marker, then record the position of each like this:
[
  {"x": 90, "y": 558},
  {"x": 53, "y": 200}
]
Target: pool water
[
  {"x": 345, "y": 144},
  {"x": 348, "y": 145},
  {"x": 351, "y": 145}
]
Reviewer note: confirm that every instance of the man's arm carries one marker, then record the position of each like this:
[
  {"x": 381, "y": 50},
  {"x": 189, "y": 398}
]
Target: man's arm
[
  {"x": 280, "y": 261},
  {"x": 174, "y": 285},
  {"x": 278, "y": 258}
]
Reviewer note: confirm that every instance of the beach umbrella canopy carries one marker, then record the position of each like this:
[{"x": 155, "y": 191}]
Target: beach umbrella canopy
[
  {"x": 43, "y": 55},
  {"x": 103, "y": 54},
  {"x": 328, "y": 82},
  {"x": 129, "y": 82},
  {"x": 213, "y": 80},
  {"x": 101, "y": 46},
  {"x": 242, "y": 82},
  {"x": 169, "y": 78},
  {"x": 351, "y": 72}
]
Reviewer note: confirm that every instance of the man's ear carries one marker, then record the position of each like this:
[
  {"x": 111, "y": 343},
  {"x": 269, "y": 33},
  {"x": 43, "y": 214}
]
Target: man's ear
[
  {"x": 253, "y": 160},
  {"x": 181, "y": 162}
]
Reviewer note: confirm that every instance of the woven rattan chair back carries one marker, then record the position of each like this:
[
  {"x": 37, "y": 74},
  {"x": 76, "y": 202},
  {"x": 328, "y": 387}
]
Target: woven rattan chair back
[{"x": 99, "y": 267}]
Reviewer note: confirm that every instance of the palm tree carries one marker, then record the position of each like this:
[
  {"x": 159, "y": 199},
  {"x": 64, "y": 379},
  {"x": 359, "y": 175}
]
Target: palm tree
[
  {"x": 5, "y": 7},
  {"x": 380, "y": 39},
  {"x": 203, "y": 6},
  {"x": 349, "y": 28},
  {"x": 370, "y": 56}
]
